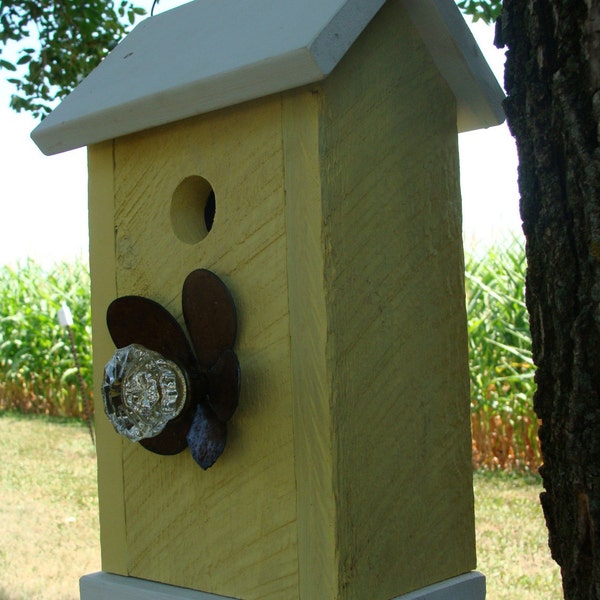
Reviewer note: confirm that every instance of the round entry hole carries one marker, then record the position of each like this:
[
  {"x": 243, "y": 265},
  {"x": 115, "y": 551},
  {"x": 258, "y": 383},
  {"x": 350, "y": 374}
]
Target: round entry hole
[{"x": 193, "y": 208}]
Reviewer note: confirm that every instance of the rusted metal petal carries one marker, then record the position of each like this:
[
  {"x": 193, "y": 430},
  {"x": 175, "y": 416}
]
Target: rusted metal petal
[
  {"x": 209, "y": 314},
  {"x": 134, "y": 319},
  {"x": 224, "y": 385},
  {"x": 206, "y": 437},
  {"x": 173, "y": 438},
  {"x": 212, "y": 376},
  {"x": 138, "y": 320}
]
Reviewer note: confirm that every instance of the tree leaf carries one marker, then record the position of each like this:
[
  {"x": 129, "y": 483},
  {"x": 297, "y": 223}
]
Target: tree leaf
[{"x": 4, "y": 64}]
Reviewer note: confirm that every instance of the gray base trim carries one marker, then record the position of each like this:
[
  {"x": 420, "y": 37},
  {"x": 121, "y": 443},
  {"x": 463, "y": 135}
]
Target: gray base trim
[
  {"x": 470, "y": 586},
  {"x": 105, "y": 586}
]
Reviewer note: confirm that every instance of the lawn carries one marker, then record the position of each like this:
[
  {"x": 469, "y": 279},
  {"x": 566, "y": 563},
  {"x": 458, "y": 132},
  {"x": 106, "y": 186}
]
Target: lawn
[
  {"x": 512, "y": 541},
  {"x": 49, "y": 510},
  {"x": 49, "y": 526}
]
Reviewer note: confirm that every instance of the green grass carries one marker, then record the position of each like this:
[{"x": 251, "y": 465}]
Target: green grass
[
  {"x": 49, "y": 509},
  {"x": 49, "y": 524},
  {"x": 512, "y": 540}
]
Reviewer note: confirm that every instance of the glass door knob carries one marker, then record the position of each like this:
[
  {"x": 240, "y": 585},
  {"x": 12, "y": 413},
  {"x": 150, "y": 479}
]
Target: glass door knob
[{"x": 142, "y": 392}]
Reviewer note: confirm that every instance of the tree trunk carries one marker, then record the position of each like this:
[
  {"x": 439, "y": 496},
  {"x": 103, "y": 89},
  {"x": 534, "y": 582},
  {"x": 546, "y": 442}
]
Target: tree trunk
[{"x": 553, "y": 109}]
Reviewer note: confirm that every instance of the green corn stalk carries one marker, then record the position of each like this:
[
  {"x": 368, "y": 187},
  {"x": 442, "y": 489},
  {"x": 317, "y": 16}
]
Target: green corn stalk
[
  {"x": 37, "y": 373},
  {"x": 500, "y": 359}
]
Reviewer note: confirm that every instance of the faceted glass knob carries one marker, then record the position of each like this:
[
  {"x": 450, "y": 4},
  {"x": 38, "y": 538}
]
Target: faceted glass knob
[{"x": 142, "y": 392}]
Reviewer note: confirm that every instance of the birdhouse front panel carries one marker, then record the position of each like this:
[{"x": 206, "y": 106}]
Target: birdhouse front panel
[{"x": 231, "y": 529}]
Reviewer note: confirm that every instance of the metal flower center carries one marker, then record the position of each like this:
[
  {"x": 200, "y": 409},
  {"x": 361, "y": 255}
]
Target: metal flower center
[{"x": 142, "y": 392}]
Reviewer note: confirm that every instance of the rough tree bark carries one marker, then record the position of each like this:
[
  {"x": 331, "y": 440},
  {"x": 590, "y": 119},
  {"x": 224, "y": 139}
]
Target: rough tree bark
[{"x": 553, "y": 108}]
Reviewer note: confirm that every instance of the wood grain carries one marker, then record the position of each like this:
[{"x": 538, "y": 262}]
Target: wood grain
[
  {"x": 396, "y": 345},
  {"x": 103, "y": 278},
  {"x": 338, "y": 232},
  {"x": 231, "y": 530}
]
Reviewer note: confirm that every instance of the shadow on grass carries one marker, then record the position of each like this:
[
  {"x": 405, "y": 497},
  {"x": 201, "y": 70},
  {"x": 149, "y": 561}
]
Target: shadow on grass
[
  {"x": 67, "y": 421},
  {"x": 520, "y": 477},
  {"x": 4, "y": 595}
]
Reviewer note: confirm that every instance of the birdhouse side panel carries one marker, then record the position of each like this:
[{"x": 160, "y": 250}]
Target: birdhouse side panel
[
  {"x": 103, "y": 288},
  {"x": 396, "y": 316},
  {"x": 232, "y": 529}
]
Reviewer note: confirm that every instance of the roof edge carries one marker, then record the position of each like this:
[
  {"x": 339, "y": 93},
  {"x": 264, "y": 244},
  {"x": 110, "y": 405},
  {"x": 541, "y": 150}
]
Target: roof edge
[
  {"x": 97, "y": 110},
  {"x": 459, "y": 58},
  {"x": 61, "y": 133}
]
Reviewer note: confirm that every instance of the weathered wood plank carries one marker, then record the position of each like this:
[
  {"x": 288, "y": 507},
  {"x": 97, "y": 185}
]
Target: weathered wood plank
[
  {"x": 232, "y": 529},
  {"x": 313, "y": 434},
  {"x": 396, "y": 344},
  {"x": 103, "y": 278}
]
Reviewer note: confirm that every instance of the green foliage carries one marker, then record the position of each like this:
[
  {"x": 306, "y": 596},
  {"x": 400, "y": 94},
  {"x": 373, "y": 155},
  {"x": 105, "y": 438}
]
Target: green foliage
[
  {"x": 486, "y": 10},
  {"x": 501, "y": 365},
  {"x": 37, "y": 369},
  {"x": 498, "y": 322},
  {"x": 58, "y": 44}
]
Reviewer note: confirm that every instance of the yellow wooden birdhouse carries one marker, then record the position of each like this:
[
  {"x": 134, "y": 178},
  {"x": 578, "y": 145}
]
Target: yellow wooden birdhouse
[{"x": 305, "y": 153}]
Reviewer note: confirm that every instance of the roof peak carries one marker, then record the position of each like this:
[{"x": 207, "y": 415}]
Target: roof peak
[{"x": 209, "y": 54}]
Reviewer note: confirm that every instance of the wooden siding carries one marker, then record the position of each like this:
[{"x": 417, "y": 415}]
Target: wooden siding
[{"x": 338, "y": 230}]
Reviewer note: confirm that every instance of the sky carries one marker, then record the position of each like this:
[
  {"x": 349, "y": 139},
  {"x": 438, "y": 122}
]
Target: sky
[
  {"x": 43, "y": 200},
  {"x": 488, "y": 165}
]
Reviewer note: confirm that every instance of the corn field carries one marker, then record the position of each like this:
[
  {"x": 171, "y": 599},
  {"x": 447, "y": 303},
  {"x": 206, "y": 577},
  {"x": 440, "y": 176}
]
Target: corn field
[
  {"x": 504, "y": 425},
  {"x": 37, "y": 369},
  {"x": 38, "y": 374}
]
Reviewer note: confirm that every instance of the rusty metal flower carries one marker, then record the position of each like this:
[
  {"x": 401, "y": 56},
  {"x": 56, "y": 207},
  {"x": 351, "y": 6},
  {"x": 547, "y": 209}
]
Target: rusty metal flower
[{"x": 209, "y": 365}]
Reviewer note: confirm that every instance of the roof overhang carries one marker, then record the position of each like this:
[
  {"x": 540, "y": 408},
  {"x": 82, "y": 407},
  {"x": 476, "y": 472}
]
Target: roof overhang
[{"x": 210, "y": 54}]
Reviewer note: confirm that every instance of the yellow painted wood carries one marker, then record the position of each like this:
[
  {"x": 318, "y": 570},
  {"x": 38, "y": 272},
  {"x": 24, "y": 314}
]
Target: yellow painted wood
[
  {"x": 396, "y": 345},
  {"x": 313, "y": 439},
  {"x": 338, "y": 231},
  {"x": 232, "y": 529},
  {"x": 103, "y": 273}
]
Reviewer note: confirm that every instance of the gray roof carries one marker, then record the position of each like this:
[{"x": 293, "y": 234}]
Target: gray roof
[{"x": 209, "y": 54}]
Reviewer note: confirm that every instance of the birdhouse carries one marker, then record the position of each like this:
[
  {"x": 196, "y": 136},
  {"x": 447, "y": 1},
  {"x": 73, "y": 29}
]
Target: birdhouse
[{"x": 302, "y": 157}]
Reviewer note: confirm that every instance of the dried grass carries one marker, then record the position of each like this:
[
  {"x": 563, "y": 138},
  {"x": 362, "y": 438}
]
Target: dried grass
[
  {"x": 501, "y": 441},
  {"x": 49, "y": 510}
]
